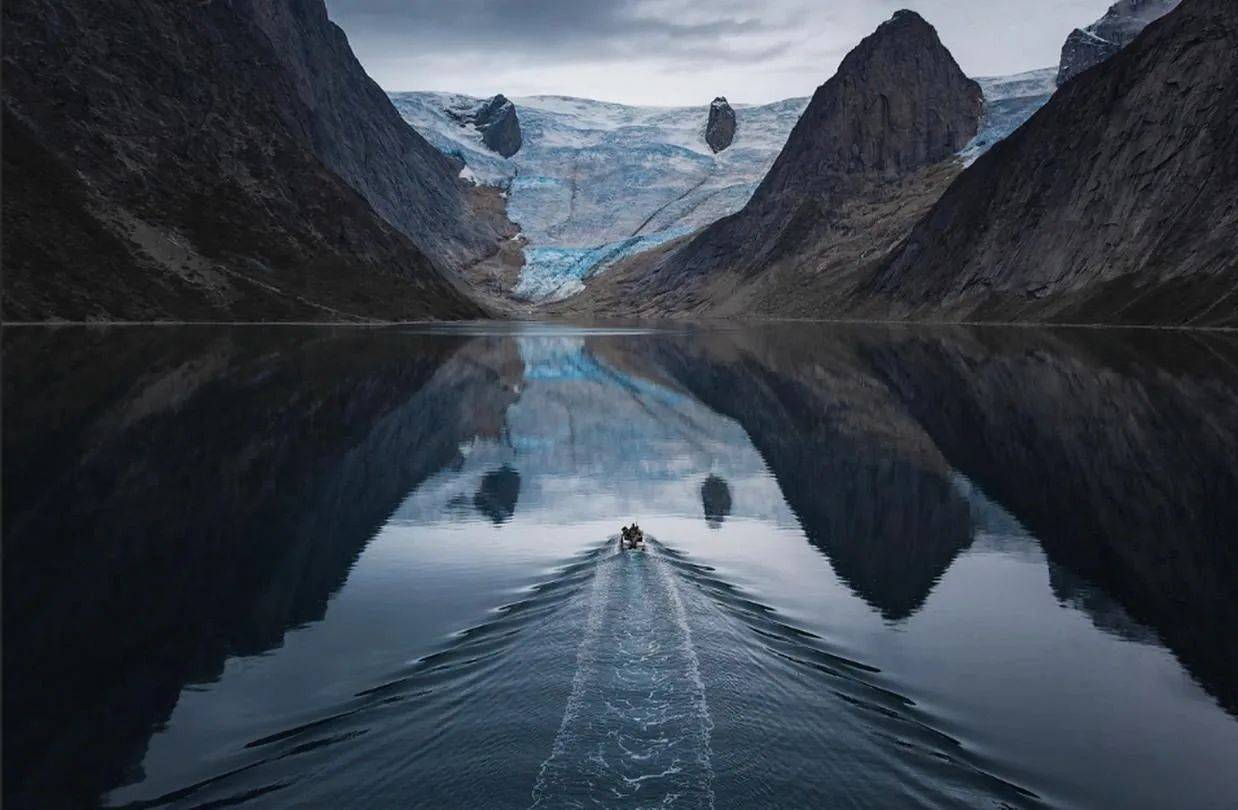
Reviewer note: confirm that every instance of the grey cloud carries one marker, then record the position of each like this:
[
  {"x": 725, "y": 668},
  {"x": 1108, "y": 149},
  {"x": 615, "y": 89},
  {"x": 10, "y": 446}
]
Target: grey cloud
[
  {"x": 675, "y": 51},
  {"x": 552, "y": 30}
]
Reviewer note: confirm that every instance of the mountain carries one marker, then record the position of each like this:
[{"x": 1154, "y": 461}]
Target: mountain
[
  {"x": 233, "y": 161},
  {"x": 1115, "y": 203},
  {"x": 595, "y": 182},
  {"x": 1086, "y": 47},
  {"x": 875, "y": 147}
]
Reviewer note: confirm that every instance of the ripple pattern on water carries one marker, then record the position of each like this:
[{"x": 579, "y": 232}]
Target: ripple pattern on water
[{"x": 636, "y": 728}]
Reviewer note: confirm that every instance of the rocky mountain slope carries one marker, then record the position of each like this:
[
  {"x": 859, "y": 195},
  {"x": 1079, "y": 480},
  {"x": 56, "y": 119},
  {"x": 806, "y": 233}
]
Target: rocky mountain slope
[
  {"x": 232, "y": 161},
  {"x": 579, "y": 157},
  {"x": 1117, "y": 202},
  {"x": 1115, "y": 30},
  {"x": 875, "y": 147}
]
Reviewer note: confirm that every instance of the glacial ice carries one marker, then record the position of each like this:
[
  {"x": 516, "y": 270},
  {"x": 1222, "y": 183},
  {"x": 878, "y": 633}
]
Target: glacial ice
[
  {"x": 1008, "y": 102},
  {"x": 597, "y": 181}
]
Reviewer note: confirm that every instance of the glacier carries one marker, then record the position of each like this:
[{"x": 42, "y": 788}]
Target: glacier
[
  {"x": 596, "y": 181},
  {"x": 1008, "y": 102}
]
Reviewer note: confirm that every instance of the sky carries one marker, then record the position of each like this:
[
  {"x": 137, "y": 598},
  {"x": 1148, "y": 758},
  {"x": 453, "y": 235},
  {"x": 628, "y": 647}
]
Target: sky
[{"x": 676, "y": 52}]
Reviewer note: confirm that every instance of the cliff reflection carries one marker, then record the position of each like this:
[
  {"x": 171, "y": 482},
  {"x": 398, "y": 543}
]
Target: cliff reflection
[
  {"x": 175, "y": 497},
  {"x": 868, "y": 486},
  {"x": 1115, "y": 449}
]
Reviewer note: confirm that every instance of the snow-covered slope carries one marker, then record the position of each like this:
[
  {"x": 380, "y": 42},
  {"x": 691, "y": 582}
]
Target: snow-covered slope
[
  {"x": 595, "y": 181},
  {"x": 1008, "y": 102}
]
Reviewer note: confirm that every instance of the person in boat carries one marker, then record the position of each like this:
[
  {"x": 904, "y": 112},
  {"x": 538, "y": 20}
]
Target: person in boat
[{"x": 630, "y": 537}]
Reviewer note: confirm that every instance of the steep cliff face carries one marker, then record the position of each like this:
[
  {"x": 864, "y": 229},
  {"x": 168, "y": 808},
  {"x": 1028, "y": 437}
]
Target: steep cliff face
[
  {"x": 1117, "y": 202},
  {"x": 360, "y": 136},
  {"x": 874, "y": 146},
  {"x": 216, "y": 161},
  {"x": 1086, "y": 47},
  {"x": 898, "y": 103}
]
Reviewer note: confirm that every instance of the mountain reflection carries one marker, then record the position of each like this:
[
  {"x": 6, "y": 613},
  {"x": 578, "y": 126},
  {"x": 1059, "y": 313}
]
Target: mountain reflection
[
  {"x": 175, "y": 497},
  {"x": 497, "y": 495},
  {"x": 1115, "y": 449},
  {"x": 867, "y": 485}
]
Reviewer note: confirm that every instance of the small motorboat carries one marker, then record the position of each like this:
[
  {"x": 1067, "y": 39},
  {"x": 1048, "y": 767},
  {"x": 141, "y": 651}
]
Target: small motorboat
[{"x": 631, "y": 538}]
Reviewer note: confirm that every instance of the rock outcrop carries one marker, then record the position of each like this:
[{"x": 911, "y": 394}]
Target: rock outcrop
[
  {"x": 720, "y": 128},
  {"x": 871, "y": 152},
  {"x": 499, "y": 126},
  {"x": 1116, "y": 203},
  {"x": 1086, "y": 47},
  {"x": 233, "y": 161}
]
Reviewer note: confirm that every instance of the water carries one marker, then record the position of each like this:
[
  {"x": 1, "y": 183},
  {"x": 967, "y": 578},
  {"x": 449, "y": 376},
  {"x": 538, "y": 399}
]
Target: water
[{"x": 890, "y": 567}]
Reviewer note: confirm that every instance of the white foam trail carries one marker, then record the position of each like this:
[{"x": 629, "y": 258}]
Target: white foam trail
[
  {"x": 585, "y": 657},
  {"x": 694, "y": 671},
  {"x": 636, "y": 727}
]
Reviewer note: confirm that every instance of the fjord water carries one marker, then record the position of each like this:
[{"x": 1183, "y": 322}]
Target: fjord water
[{"x": 890, "y": 567}]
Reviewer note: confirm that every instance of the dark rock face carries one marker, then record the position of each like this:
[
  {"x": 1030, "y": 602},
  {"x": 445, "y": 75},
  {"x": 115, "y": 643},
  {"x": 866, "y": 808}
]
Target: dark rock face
[
  {"x": 1081, "y": 51},
  {"x": 360, "y": 136},
  {"x": 898, "y": 103},
  {"x": 499, "y": 126},
  {"x": 1115, "y": 203},
  {"x": 232, "y": 161},
  {"x": 872, "y": 139},
  {"x": 720, "y": 128},
  {"x": 1097, "y": 42}
]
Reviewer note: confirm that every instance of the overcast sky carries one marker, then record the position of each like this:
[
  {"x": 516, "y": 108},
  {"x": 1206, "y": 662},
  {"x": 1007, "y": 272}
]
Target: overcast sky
[{"x": 676, "y": 51}]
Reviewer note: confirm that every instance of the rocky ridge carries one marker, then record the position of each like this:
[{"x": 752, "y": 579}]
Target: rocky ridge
[
  {"x": 1115, "y": 203},
  {"x": 875, "y": 146},
  {"x": 1089, "y": 46},
  {"x": 232, "y": 162}
]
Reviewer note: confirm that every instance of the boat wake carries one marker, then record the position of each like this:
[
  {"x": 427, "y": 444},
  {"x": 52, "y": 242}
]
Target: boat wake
[
  {"x": 636, "y": 725},
  {"x": 596, "y": 689}
]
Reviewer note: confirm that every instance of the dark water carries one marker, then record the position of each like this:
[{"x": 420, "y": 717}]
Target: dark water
[{"x": 893, "y": 567}]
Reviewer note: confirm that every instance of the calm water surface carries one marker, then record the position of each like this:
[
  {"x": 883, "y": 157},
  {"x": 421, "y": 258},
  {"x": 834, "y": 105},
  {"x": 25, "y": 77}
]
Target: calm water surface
[{"x": 892, "y": 567}]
